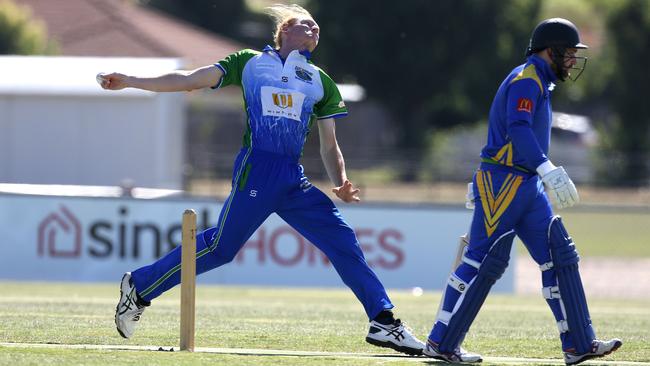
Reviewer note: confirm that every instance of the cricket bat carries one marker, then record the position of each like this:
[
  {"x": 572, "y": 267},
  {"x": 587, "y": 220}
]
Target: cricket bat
[{"x": 463, "y": 242}]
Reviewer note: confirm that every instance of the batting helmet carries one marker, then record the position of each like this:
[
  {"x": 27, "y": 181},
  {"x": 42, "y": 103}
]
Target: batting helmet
[
  {"x": 554, "y": 32},
  {"x": 558, "y": 34}
]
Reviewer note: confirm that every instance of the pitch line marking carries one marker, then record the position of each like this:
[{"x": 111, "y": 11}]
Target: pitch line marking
[{"x": 276, "y": 352}]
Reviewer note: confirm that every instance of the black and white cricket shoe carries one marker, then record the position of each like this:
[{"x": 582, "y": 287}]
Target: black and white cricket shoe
[
  {"x": 129, "y": 309},
  {"x": 598, "y": 349},
  {"x": 396, "y": 336},
  {"x": 460, "y": 355}
]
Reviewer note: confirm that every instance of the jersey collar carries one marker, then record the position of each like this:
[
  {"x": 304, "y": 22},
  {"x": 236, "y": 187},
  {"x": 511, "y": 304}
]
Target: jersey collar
[
  {"x": 544, "y": 68},
  {"x": 305, "y": 53}
]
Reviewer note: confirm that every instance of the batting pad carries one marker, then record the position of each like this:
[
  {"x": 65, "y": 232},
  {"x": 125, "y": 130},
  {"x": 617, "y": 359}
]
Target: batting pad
[
  {"x": 492, "y": 268},
  {"x": 572, "y": 294}
]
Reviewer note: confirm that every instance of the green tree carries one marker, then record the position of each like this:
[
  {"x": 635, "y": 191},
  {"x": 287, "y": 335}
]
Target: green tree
[
  {"x": 19, "y": 33},
  {"x": 433, "y": 64},
  {"x": 219, "y": 16},
  {"x": 584, "y": 96},
  {"x": 627, "y": 144}
]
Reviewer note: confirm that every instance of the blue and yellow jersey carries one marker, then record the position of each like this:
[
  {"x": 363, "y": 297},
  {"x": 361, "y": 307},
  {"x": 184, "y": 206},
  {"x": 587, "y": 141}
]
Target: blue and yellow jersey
[
  {"x": 519, "y": 128},
  {"x": 282, "y": 98}
]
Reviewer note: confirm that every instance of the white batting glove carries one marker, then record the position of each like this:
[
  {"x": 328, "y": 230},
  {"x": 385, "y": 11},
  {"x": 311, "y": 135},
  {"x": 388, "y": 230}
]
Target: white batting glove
[
  {"x": 469, "y": 196},
  {"x": 559, "y": 187}
]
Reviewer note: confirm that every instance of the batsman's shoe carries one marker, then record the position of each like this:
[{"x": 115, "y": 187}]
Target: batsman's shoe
[
  {"x": 396, "y": 336},
  {"x": 598, "y": 349},
  {"x": 129, "y": 309},
  {"x": 458, "y": 356}
]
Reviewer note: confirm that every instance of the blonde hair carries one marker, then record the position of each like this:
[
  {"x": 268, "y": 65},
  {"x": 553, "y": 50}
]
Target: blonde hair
[{"x": 284, "y": 15}]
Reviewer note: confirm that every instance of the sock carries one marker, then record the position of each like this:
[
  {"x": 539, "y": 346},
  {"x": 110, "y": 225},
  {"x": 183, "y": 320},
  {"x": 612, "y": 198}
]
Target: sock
[
  {"x": 139, "y": 301},
  {"x": 386, "y": 317}
]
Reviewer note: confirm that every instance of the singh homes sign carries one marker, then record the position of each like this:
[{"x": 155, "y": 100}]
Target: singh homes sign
[{"x": 97, "y": 239}]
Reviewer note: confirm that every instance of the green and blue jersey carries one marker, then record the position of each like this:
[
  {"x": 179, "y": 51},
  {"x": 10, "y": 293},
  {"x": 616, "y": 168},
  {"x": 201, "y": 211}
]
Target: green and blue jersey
[{"x": 282, "y": 98}]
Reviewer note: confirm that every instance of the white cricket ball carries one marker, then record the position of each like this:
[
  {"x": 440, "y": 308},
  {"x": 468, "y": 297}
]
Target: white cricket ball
[
  {"x": 100, "y": 78},
  {"x": 417, "y": 291}
]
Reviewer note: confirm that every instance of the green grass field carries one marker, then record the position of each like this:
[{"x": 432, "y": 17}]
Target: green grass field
[
  {"x": 609, "y": 234},
  {"x": 282, "y": 319}
]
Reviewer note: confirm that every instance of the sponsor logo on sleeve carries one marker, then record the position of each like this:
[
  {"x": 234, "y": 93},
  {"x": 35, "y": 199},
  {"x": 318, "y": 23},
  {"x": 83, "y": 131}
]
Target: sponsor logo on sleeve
[
  {"x": 341, "y": 104},
  {"x": 524, "y": 105}
]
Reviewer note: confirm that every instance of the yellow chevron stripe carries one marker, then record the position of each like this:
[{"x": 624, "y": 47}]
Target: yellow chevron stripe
[
  {"x": 504, "y": 155},
  {"x": 507, "y": 183},
  {"x": 508, "y": 196},
  {"x": 490, "y": 228},
  {"x": 494, "y": 216},
  {"x": 493, "y": 208},
  {"x": 492, "y": 202},
  {"x": 483, "y": 190},
  {"x": 490, "y": 191},
  {"x": 529, "y": 73},
  {"x": 501, "y": 205}
]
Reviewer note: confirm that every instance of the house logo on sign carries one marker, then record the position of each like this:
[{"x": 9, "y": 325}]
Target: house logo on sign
[{"x": 59, "y": 235}]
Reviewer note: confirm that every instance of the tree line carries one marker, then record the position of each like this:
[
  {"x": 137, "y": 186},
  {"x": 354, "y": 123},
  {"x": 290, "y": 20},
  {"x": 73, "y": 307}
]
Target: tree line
[{"x": 436, "y": 64}]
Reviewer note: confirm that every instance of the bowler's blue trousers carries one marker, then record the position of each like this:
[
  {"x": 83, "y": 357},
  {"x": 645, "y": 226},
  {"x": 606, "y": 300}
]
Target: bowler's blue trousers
[{"x": 264, "y": 183}]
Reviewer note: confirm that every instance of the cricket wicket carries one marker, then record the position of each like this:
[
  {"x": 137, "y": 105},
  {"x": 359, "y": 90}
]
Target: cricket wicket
[{"x": 188, "y": 279}]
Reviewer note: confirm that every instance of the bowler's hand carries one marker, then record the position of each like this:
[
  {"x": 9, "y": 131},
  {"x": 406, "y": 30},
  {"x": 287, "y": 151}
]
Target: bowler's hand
[
  {"x": 112, "y": 81},
  {"x": 347, "y": 192}
]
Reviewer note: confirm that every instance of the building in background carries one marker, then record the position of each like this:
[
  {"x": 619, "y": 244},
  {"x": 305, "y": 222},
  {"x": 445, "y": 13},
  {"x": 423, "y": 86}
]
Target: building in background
[
  {"x": 215, "y": 120},
  {"x": 59, "y": 127},
  {"x": 119, "y": 28}
]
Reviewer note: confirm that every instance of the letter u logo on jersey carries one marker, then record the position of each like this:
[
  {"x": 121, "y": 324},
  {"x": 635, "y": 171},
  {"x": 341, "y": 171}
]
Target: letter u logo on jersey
[{"x": 283, "y": 100}]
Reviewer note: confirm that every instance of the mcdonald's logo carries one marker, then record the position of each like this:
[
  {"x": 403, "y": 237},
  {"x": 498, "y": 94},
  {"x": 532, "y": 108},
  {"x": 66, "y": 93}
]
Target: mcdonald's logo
[
  {"x": 283, "y": 100},
  {"x": 524, "y": 105}
]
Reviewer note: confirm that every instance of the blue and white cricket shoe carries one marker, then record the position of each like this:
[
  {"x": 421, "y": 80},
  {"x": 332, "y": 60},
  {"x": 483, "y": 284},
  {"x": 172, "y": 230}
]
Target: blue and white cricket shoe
[
  {"x": 396, "y": 336},
  {"x": 598, "y": 349},
  {"x": 460, "y": 355},
  {"x": 128, "y": 311}
]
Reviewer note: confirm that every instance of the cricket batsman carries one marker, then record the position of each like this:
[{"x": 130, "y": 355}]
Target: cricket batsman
[{"x": 513, "y": 189}]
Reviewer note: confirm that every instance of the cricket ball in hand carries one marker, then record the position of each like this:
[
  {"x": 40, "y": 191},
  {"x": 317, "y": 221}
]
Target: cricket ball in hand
[{"x": 100, "y": 78}]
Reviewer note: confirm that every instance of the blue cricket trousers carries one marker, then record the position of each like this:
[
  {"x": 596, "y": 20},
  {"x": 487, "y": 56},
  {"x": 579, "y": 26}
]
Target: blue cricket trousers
[
  {"x": 264, "y": 183},
  {"x": 507, "y": 199}
]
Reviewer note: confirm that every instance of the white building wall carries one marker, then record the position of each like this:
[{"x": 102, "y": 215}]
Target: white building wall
[{"x": 66, "y": 130}]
